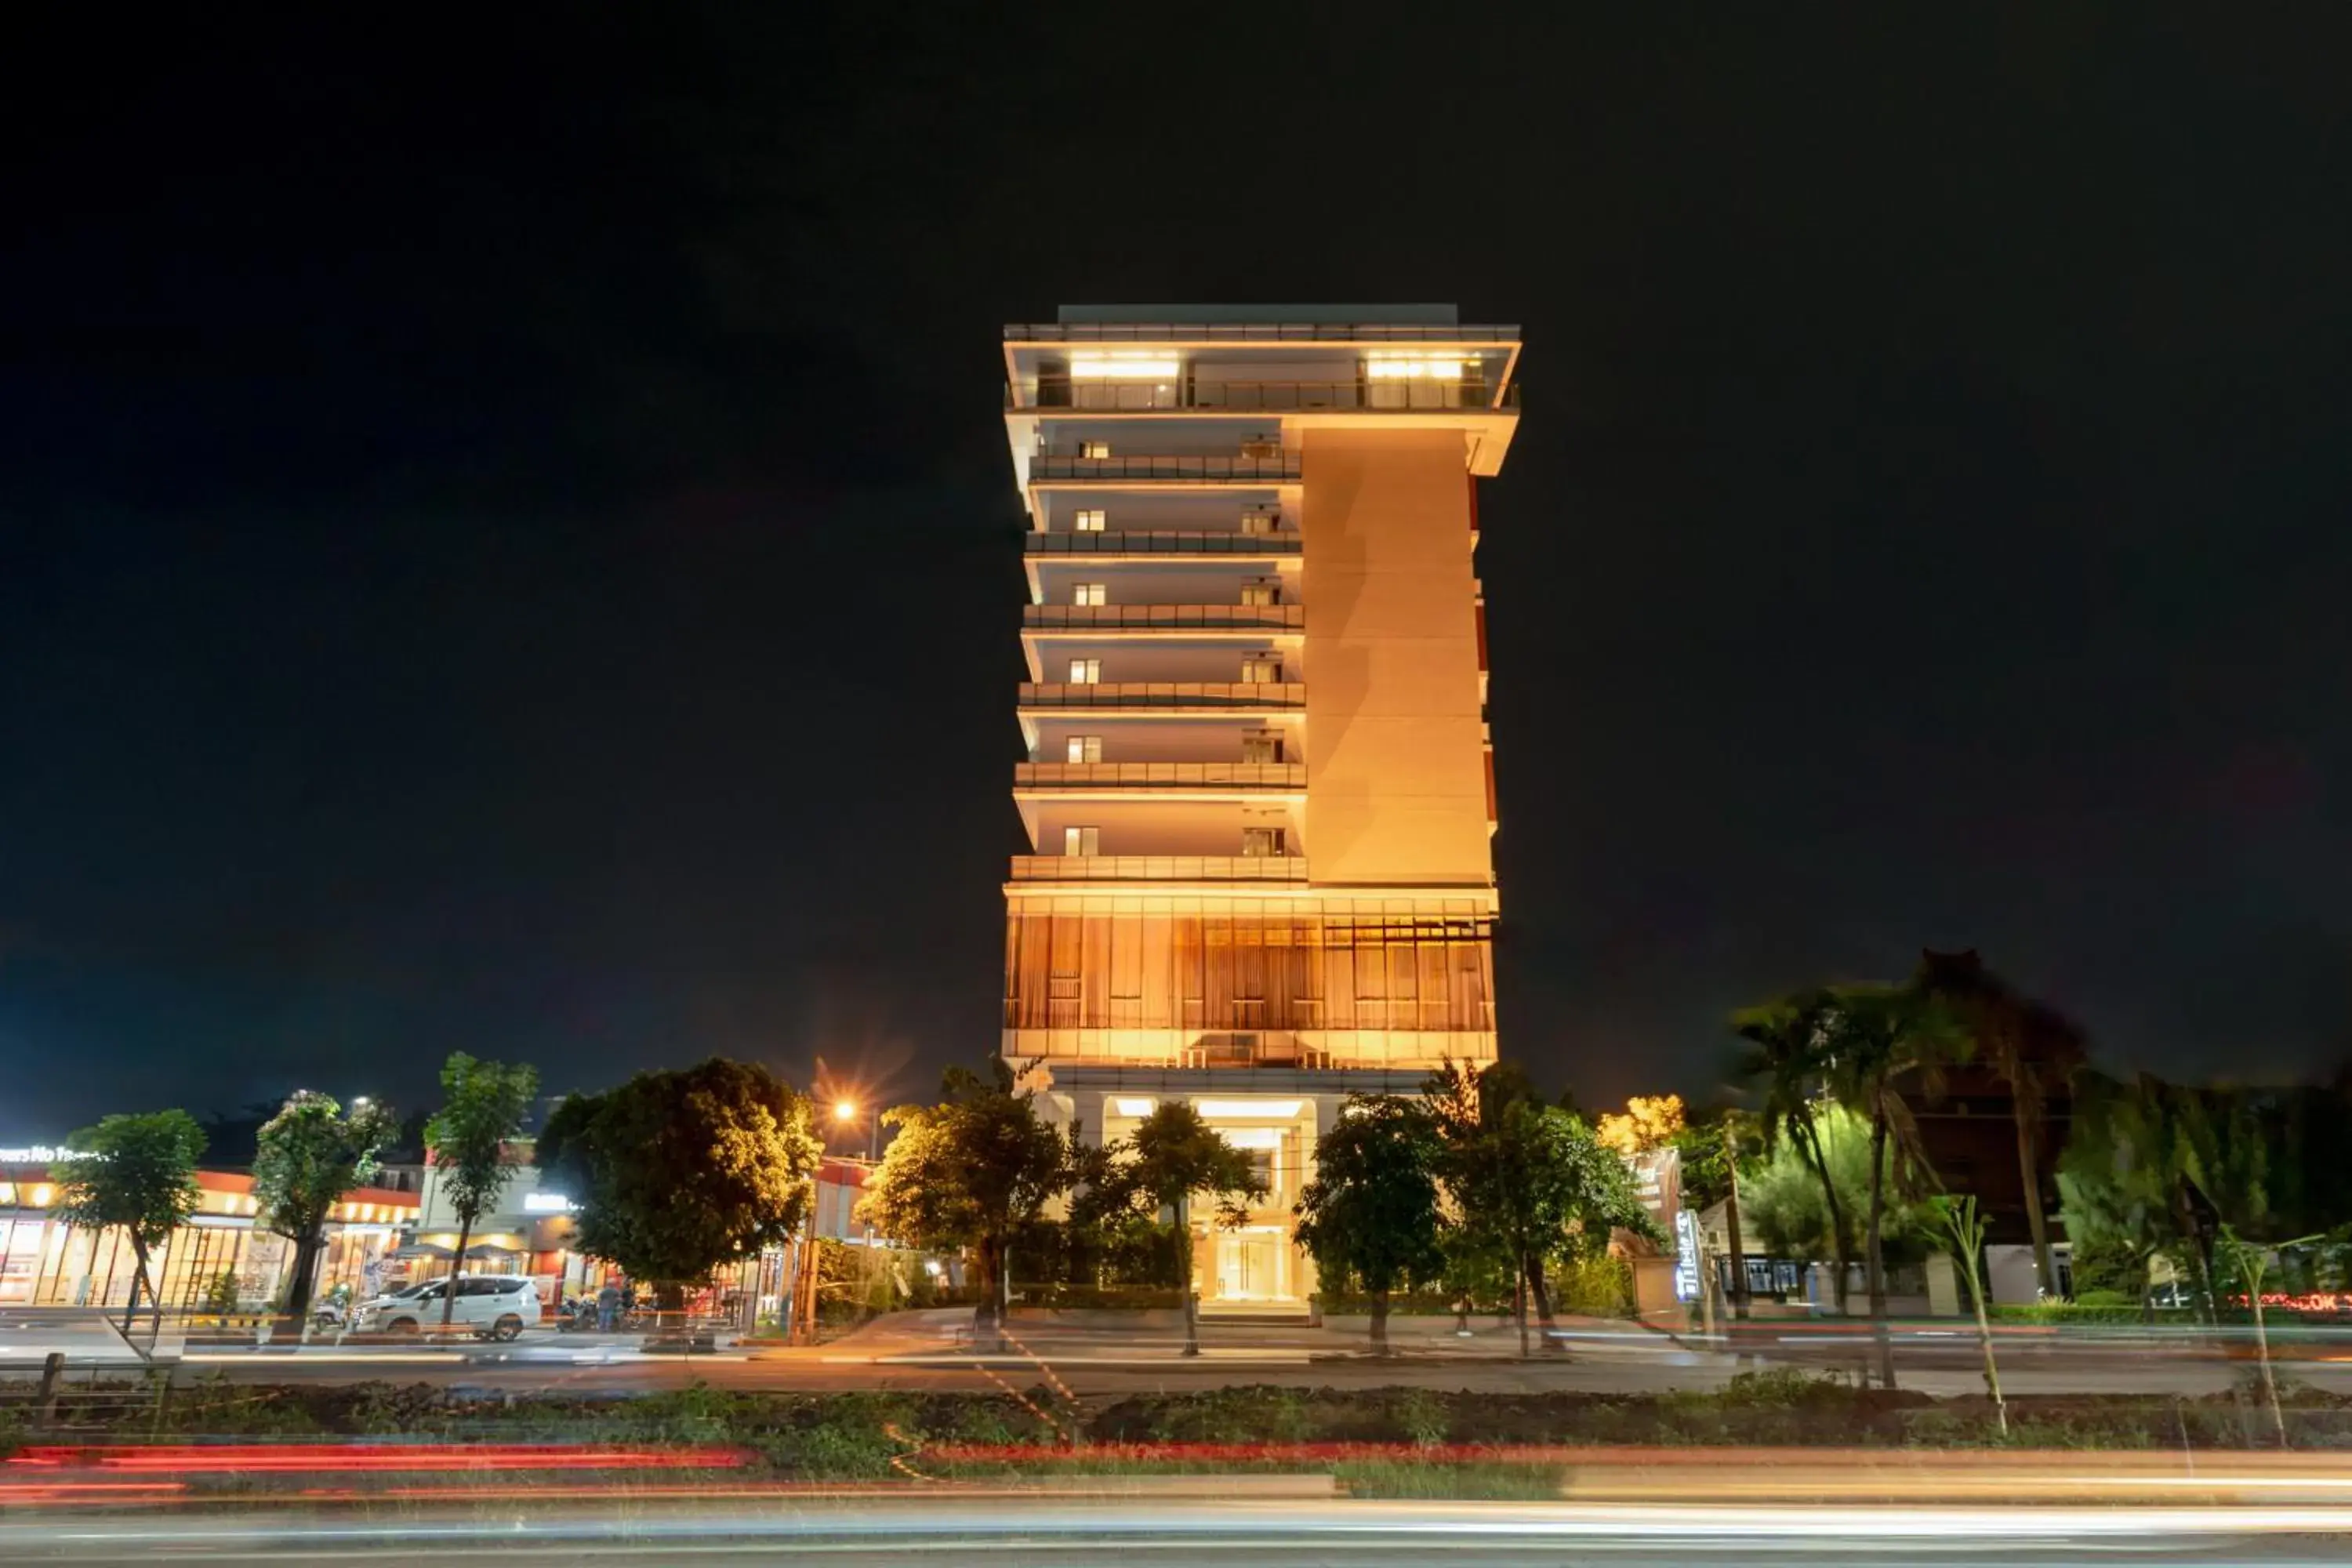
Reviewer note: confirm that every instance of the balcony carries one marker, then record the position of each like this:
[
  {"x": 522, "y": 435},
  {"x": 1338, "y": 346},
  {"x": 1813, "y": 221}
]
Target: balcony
[
  {"x": 1255, "y": 332},
  {"x": 1254, "y": 471},
  {"x": 1204, "y": 696},
  {"x": 1400, "y": 394},
  {"x": 1250, "y": 776},
  {"x": 1163, "y": 541},
  {"x": 1163, "y": 617},
  {"x": 1159, "y": 868}
]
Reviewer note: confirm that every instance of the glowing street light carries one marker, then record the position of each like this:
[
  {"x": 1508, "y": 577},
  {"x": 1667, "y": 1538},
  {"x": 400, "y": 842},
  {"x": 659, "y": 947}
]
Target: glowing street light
[{"x": 844, "y": 1110}]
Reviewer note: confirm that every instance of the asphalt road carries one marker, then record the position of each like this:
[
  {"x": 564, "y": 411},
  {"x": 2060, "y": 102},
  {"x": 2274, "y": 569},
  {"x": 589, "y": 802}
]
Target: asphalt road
[
  {"x": 1194, "y": 1531},
  {"x": 927, "y": 1351}
]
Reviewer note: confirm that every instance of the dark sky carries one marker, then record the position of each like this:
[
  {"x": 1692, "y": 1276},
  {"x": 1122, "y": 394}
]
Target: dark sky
[{"x": 506, "y": 540}]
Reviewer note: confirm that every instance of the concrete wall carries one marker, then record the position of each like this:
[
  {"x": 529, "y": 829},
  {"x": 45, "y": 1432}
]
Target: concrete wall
[{"x": 1395, "y": 759}]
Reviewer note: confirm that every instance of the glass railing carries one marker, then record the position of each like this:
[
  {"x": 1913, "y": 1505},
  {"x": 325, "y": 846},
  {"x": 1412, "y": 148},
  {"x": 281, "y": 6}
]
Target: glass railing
[
  {"x": 1282, "y": 469},
  {"x": 1402, "y": 395},
  {"x": 1163, "y": 617},
  {"x": 1159, "y": 775},
  {"x": 1163, "y": 694},
  {"x": 1159, "y": 869},
  {"x": 1255, "y": 332},
  {"x": 1163, "y": 542}
]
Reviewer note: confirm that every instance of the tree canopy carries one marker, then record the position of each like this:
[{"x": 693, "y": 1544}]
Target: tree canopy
[
  {"x": 1371, "y": 1215},
  {"x": 1528, "y": 1181},
  {"x": 966, "y": 1173},
  {"x": 306, "y": 1158},
  {"x": 470, "y": 1137},
  {"x": 136, "y": 1174},
  {"x": 679, "y": 1172},
  {"x": 1647, "y": 1122}
]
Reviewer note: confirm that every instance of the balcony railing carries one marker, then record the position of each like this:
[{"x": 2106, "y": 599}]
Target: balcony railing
[
  {"x": 1159, "y": 869},
  {"x": 1400, "y": 394},
  {"x": 1159, "y": 775},
  {"x": 1163, "y": 617},
  {"x": 1254, "y": 332},
  {"x": 1163, "y": 542},
  {"x": 1282, "y": 469},
  {"x": 1205, "y": 694}
]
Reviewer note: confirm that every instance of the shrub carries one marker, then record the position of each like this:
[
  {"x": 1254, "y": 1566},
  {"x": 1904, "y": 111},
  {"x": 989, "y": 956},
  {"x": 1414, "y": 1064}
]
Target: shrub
[{"x": 1601, "y": 1287}]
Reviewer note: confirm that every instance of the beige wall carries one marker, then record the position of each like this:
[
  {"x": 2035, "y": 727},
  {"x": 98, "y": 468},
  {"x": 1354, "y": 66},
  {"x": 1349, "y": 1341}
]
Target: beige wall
[{"x": 1395, "y": 760}]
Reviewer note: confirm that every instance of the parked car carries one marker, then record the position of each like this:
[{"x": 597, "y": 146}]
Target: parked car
[{"x": 495, "y": 1306}]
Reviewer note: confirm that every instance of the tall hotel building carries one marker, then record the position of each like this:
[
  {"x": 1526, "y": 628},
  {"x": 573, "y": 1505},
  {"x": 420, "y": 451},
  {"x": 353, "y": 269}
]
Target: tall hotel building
[{"x": 1259, "y": 795}]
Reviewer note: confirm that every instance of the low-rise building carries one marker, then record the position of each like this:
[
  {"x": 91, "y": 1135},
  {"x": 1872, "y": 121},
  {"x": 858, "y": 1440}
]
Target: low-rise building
[{"x": 221, "y": 1257}]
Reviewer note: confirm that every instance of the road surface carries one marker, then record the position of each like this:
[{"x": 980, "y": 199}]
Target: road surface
[
  {"x": 931, "y": 1351},
  {"x": 1181, "y": 1534}
]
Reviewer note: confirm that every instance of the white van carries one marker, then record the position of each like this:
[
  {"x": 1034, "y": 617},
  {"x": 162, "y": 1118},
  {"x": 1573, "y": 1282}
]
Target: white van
[{"x": 496, "y": 1306}]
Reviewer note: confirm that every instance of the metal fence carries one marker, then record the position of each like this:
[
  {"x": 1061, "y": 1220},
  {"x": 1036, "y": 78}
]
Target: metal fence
[
  {"x": 1282, "y": 469},
  {"x": 1397, "y": 394},
  {"x": 1163, "y": 542},
  {"x": 1159, "y": 869},
  {"x": 1159, "y": 775},
  {"x": 1163, "y": 617},
  {"x": 1235, "y": 694}
]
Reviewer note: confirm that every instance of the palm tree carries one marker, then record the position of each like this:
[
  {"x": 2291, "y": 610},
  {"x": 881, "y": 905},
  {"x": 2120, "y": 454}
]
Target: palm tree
[
  {"x": 1788, "y": 1051},
  {"x": 2030, "y": 1047},
  {"x": 1883, "y": 1039}
]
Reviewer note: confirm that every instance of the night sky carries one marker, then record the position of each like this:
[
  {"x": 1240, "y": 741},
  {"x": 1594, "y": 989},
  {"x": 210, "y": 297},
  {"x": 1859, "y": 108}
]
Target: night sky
[{"x": 506, "y": 542}]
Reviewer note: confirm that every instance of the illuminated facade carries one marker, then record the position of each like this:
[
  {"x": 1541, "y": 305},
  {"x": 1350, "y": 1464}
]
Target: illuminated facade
[{"x": 1259, "y": 793}]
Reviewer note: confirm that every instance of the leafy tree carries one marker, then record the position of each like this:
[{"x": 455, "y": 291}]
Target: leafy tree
[
  {"x": 1782, "y": 1202},
  {"x": 1176, "y": 1155},
  {"x": 1529, "y": 1179},
  {"x": 1788, "y": 1043},
  {"x": 1370, "y": 1215},
  {"x": 482, "y": 1110},
  {"x": 1712, "y": 1145},
  {"x": 2030, "y": 1047},
  {"x": 2120, "y": 1173},
  {"x": 1882, "y": 1039},
  {"x": 675, "y": 1172},
  {"x": 1648, "y": 1122},
  {"x": 306, "y": 1158},
  {"x": 135, "y": 1172},
  {"x": 966, "y": 1173}
]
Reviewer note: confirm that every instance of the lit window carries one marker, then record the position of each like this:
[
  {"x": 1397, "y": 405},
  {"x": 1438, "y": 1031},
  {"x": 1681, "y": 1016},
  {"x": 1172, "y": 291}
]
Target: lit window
[
  {"x": 1259, "y": 523},
  {"x": 1094, "y": 448},
  {"x": 1090, "y": 520},
  {"x": 1124, "y": 366},
  {"x": 1089, "y": 594},
  {"x": 1086, "y": 748},
  {"x": 1396, "y": 367},
  {"x": 1258, "y": 670},
  {"x": 1267, "y": 592},
  {"x": 1261, "y": 746},
  {"x": 1081, "y": 840},
  {"x": 1085, "y": 671},
  {"x": 1261, "y": 842}
]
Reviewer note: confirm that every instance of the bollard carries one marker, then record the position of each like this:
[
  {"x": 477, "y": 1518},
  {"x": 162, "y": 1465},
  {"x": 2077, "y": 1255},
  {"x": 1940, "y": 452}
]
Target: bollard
[{"x": 45, "y": 1401}]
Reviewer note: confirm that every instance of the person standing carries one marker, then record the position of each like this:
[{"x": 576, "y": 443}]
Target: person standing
[{"x": 608, "y": 1307}]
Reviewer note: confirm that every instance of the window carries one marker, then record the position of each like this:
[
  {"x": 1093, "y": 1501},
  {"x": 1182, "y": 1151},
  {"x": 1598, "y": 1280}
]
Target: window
[
  {"x": 1089, "y": 593},
  {"x": 1088, "y": 521},
  {"x": 1260, "y": 843},
  {"x": 1257, "y": 522},
  {"x": 1086, "y": 672},
  {"x": 1261, "y": 746},
  {"x": 1094, "y": 448},
  {"x": 1265, "y": 591},
  {"x": 1086, "y": 748},
  {"x": 1257, "y": 670},
  {"x": 1082, "y": 841}
]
